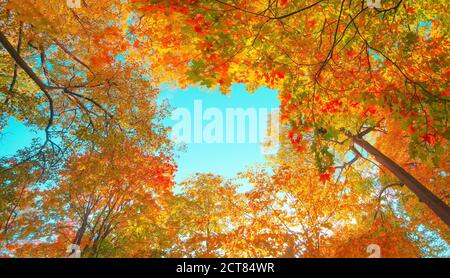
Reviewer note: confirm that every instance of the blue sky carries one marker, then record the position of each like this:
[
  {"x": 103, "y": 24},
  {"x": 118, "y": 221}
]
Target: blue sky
[
  {"x": 222, "y": 159},
  {"x": 16, "y": 136}
]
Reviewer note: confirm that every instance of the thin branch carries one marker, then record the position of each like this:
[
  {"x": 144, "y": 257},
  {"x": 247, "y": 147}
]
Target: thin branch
[{"x": 388, "y": 186}]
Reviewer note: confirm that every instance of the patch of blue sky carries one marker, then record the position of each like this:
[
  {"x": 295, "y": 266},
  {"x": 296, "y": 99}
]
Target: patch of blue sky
[
  {"x": 218, "y": 158},
  {"x": 15, "y": 136}
]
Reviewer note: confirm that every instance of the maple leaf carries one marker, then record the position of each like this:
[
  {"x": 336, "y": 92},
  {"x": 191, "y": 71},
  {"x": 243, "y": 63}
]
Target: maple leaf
[
  {"x": 278, "y": 74},
  {"x": 429, "y": 138},
  {"x": 284, "y": 3},
  {"x": 324, "y": 177},
  {"x": 371, "y": 110}
]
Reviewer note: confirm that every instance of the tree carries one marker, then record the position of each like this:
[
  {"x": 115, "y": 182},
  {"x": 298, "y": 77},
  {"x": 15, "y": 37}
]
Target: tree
[
  {"x": 76, "y": 77},
  {"x": 206, "y": 215},
  {"x": 310, "y": 216},
  {"x": 18, "y": 206},
  {"x": 342, "y": 69},
  {"x": 396, "y": 145},
  {"x": 364, "y": 106},
  {"x": 101, "y": 194}
]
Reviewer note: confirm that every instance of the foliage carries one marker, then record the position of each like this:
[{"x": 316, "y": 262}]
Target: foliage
[{"x": 101, "y": 174}]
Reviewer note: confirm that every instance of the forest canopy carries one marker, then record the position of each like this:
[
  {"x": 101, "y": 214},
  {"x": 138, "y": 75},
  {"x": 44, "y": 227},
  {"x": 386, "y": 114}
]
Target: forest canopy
[{"x": 363, "y": 143}]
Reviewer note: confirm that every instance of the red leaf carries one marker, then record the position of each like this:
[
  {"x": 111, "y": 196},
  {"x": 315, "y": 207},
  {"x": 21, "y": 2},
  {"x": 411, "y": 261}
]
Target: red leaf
[
  {"x": 324, "y": 177},
  {"x": 284, "y": 3},
  {"x": 429, "y": 138}
]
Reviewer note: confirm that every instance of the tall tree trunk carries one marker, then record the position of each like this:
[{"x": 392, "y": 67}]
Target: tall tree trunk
[
  {"x": 80, "y": 233},
  {"x": 425, "y": 195}
]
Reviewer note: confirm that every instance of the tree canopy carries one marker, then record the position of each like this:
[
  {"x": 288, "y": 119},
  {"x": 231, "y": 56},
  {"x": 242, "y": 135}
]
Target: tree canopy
[{"x": 363, "y": 158}]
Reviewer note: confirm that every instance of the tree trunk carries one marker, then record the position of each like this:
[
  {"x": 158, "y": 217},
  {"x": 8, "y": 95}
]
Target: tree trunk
[{"x": 425, "y": 195}]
